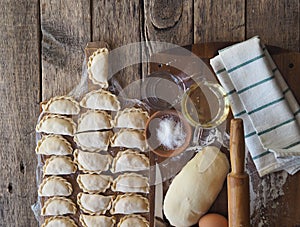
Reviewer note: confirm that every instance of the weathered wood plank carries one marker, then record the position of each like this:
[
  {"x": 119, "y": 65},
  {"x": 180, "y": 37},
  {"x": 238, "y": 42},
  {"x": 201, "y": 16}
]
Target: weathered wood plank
[
  {"x": 276, "y": 22},
  {"x": 221, "y": 20},
  {"x": 19, "y": 92},
  {"x": 168, "y": 21},
  {"x": 65, "y": 28},
  {"x": 118, "y": 23}
]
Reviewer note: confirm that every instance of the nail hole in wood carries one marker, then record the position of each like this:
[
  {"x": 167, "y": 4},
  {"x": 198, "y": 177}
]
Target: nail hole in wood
[
  {"x": 22, "y": 167},
  {"x": 9, "y": 188},
  {"x": 291, "y": 65}
]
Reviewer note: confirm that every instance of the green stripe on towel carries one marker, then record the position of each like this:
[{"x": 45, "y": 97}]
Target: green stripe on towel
[
  {"x": 255, "y": 84},
  {"x": 261, "y": 155},
  {"x": 276, "y": 126},
  {"x": 292, "y": 145},
  {"x": 231, "y": 92},
  {"x": 220, "y": 71},
  {"x": 285, "y": 91},
  {"x": 240, "y": 113},
  {"x": 245, "y": 63},
  {"x": 297, "y": 112},
  {"x": 250, "y": 134},
  {"x": 266, "y": 105}
]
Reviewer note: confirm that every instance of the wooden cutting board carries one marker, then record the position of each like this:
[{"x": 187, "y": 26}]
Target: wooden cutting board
[{"x": 289, "y": 65}]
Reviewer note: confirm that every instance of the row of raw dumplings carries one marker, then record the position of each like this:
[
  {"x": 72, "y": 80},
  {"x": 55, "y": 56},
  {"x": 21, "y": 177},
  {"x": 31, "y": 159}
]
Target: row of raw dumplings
[
  {"x": 94, "y": 162},
  {"x": 97, "y": 220},
  {"x": 94, "y": 183},
  {"x": 97, "y": 101},
  {"x": 97, "y": 204}
]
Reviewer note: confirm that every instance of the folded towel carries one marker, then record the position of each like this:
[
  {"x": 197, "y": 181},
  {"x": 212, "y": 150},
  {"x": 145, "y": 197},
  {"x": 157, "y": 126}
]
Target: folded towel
[{"x": 259, "y": 95}]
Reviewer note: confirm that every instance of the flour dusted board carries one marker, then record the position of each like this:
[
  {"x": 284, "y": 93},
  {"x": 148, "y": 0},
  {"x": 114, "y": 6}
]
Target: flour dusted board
[
  {"x": 76, "y": 159},
  {"x": 288, "y": 64}
]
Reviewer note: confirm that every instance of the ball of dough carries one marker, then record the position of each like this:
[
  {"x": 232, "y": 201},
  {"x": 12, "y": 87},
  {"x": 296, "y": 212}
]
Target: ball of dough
[{"x": 195, "y": 188}]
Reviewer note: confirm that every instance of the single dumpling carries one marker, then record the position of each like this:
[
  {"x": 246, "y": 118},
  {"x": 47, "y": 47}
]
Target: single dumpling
[
  {"x": 58, "y": 206},
  {"x": 94, "y": 183},
  {"x": 92, "y": 141},
  {"x": 92, "y": 162},
  {"x": 97, "y": 221},
  {"x": 56, "y": 124},
  {"x": 133, "y": 220},
  {"x": 130, "y": 160},
  {"x": 94, "y": 204},
  {"x": 131, "y": 182},
  {"x": 61, "y": 221},
  {"x": 134, "y": 118},
  {"x": 61, "y": 105},
  {"x": 98, "y": 67},
  {"x": 94, "y": 120},
  {"x": 130, "y": 204},
  {"x": 53, "y": 145},
  {"x": 55, "y": 186},
  {"x": 59, "y": 165},
  {"x": 100, "y": 100},
  {"x": 129, "y": 138}
]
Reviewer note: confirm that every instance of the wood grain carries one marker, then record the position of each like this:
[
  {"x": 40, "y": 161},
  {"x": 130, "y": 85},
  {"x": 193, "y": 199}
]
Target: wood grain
[
  {"x": 168, "y": 21},
  {"x": 220, "y": 20},
  {"x": 65, "y": 28},
  {"x": 276, "y": 22},
  {"x": 118, "y": 24},
  {"x": 19, "y": 92}
]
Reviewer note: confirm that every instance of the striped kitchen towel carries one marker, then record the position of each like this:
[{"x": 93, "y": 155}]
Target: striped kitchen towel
[{"x": 259, "y": 95}]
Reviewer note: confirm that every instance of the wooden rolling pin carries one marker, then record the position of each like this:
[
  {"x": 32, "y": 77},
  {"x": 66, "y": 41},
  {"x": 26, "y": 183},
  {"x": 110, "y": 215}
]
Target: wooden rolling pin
[{"x": 238, "y": 179}]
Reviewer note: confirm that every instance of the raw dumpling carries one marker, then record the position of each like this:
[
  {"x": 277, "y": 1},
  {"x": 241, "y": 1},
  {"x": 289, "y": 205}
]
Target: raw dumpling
[
  {"x": 133, "y": 220},
  {"x": 53, "y": 145},
  {"x": 56, "y": 124},
  {"x": 94, "y": 203},
  {"x": 94, "y": 120},
  {"x": 59, "y": 221},
  {"x": 100, "y": 100},
  {"x": 130, "y": 204},
  {"x": 129, "y": 138},
  {"x": 129, "y": 160},
  {"x": 55, "y": 186},
  {"x": 98, "y": 67},
  {"x": 92, "y": 162},
  {"x": 61, "y": 105},
  {"x": 59, "y": 165},
  {"x": 58, "y": 206},
  {"x": 134, "y": 118},
  {"x": 94, "y": 183},
  {"x": 97, "y": 221},
  {"x": 92, "y": 141},
  {"x": 131, "y": 182}
]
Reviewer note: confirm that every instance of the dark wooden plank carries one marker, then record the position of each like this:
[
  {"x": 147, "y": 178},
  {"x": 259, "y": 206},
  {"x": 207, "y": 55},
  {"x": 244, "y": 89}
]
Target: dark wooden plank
[
  {"x": 276, "y": 22},
  {"x": 19, "y": 92},
  {"x": 118, "y": 24},
  {"x": 221, "y": 20},
  {"x": 168, "y": 21},
  {"x": 65, "y": 31}
]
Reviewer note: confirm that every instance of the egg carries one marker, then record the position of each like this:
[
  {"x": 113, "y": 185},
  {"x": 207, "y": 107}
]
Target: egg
[{"x": 213, "y": 220}]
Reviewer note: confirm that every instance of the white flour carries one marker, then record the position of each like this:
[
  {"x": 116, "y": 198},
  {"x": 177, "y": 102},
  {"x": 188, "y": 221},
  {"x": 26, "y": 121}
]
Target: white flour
[{"x": 263, "y": 193}]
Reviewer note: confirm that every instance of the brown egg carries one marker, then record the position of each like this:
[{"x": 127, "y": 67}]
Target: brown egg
[{"x": 213, "y": 220}]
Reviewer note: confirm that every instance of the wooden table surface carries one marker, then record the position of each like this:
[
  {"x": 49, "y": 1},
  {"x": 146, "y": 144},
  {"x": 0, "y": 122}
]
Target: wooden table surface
[{"x": 42, "y": 48}]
